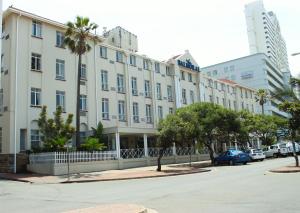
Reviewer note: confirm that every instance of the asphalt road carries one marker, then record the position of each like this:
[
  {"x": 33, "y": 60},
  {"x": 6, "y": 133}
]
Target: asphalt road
[{"x": 239, "y": 189}]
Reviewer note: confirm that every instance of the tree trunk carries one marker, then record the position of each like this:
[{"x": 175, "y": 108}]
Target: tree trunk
[
  {"x": 161, "y": 153},
  {"x": 294, "y": 148},
  {"x": 262, "y": 109},
  {"x": 211, "y": 153},
  {"x": 77, "y": 141}
]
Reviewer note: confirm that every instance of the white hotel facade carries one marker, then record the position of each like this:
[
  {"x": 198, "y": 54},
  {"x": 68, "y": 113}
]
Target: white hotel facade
[{"x": 128, "y": 92}]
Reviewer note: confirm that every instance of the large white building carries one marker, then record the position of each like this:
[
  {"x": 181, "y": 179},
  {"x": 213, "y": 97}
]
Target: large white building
[
  {"x": 264, "y": 35},
  {"x": 126, "y": 91}
]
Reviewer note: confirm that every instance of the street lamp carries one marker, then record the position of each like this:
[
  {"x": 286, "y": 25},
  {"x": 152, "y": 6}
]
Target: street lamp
[{"x": 294, "y": 54}]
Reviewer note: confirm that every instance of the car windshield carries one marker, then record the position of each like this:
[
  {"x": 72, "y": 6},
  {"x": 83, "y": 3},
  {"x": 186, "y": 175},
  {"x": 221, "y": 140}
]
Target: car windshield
[
  {"x": 282, "y": 146},
  {"x": 235, "y": 152},
  {"x": 257, "y": 151}
]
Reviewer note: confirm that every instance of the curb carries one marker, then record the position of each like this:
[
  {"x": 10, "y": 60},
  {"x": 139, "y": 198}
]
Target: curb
[
  {"x": 134, "y": 178},
  {"x": 14, "y": 179},
  {"x": 287, "y": 171}
]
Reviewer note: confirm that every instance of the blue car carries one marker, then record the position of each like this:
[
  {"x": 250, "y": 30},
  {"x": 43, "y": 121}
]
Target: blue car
[{"x": 232, "y": 157}]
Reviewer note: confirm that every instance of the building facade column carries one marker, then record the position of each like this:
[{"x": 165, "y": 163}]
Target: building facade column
[
  {"x": 174, "y": 149},
  {"x": 145, "y": 145},
  {"x": 118, "y": 149}
]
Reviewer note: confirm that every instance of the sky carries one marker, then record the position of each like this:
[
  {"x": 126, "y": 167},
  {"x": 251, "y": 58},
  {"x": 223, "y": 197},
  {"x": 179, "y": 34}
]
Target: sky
[{"x": 213, "y": 31}]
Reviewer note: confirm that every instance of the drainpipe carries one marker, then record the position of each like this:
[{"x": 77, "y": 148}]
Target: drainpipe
[{"x": 16, "y": 93}]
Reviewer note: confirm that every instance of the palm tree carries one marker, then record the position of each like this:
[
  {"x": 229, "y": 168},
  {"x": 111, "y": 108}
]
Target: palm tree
[
  {"x": 76, "y": 39},
  {"x": 262, "y": 97},
  {"x": 291, "y": 105}
]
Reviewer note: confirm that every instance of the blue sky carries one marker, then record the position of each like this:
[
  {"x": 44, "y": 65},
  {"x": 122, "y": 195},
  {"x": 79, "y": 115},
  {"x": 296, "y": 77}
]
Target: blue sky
[{"x": 212, "y": 30}]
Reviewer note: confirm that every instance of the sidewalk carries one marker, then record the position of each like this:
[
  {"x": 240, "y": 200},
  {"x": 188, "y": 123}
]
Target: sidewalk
[
  {"x": 114, "y": 208},
  {"x": 286, "y": 169},
  {"x": 135, "y": 173}
]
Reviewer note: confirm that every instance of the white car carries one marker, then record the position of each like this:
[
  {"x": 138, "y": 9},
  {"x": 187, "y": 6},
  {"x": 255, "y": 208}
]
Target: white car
[
  {"x": 276, "y": 150},
  {"x": 256, "y": 154},
  {"x": 290, "y": 148}
]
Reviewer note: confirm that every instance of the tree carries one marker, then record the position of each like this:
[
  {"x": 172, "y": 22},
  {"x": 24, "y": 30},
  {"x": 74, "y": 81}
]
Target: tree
[
  {"x": 167, "y": 135},
  {"x": 291, "y": 105},
  {"x": 209, "y": 118},
  {"x": 261, "y": 98},
  {"x": 55, "y": 131},
  {"x": 92, "y": 144},
  {"x": 98, "y": 132},
  {"x": 76, "y": 39},
  {"x": 188, "y": 128}
]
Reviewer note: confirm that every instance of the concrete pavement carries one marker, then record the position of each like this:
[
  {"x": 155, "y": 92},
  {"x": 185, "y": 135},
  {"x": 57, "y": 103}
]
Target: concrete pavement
[{"x": 249, "y": 188}]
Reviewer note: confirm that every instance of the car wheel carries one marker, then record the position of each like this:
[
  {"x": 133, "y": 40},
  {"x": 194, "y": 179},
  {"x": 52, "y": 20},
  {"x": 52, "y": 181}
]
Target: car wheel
[
  {"x": 216, "y": 163},
  {"x": 262, "y": 160},
  {"x": 245, "y": 163},
  {"x": 231, "y": 163},
  {"x": 275, "y": 155}
]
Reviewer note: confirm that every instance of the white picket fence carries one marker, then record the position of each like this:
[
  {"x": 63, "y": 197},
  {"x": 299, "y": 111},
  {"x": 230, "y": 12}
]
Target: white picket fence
[{"x": 72, "y": 157}]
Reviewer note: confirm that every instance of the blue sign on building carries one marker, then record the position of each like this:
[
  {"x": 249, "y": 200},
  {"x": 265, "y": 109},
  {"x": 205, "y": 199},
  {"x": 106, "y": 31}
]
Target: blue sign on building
[{"x": 188, "y": 64}]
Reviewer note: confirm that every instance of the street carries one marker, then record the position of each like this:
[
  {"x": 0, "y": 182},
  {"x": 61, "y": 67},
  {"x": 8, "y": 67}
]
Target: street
[{"x": 248, "y": 188}]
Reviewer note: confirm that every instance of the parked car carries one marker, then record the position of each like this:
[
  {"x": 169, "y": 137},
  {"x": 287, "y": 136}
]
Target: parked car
[
  {"x": 256, "y": 154},
  {"x": 232, "y": 157},
  {"x": 290, "y": 148},
  {"x": 276, "y": 150}
]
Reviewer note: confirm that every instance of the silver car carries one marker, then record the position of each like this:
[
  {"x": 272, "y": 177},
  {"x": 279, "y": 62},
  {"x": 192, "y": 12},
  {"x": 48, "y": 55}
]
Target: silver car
[{"x": 256, "y": 154}]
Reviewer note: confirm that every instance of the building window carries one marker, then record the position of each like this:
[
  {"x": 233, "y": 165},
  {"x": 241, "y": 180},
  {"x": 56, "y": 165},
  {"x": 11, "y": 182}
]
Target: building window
[
  {"x": 35, "y": 138},
  {"x": 243, "y": 107},
  {"x": 160, "y": 112},
  {"x": 148, "y": 114},
  {"x": 1, "y": 100},
  {"x": 168, "y": 71},
  {"x": 241, "y": 93},
  {"x": 231, "y": 68},
  {"x": 246, "y": 93},
  {"x": 60, "y": 37},
  {"x": 171, "y": 110},
  {"x": 229, "y": 104},
  {"x": 157, "y": 67},
  {"x": 36, "y": 29},
  {"x": 36, "y": 62},
  {"x": 170, "y": 93},
  {"x": 105, "y": 109},
  {"x": 135, "y": 112},
  {"x": 223, "y": 100},
  {"x": 210, "y": 99},
  {"x": 119, "y": 56},
  {"x": 104, "y": 80},
  {"x": 217, "y": 100},
  {"x": 215, "y": 72},
  {"x": 60, "y": 69},
  {"x": 83, "y": 103},
  {"x": 83, "y": 72},
  {"x": 252, "y": 107},
  {"x": 251, "y": 95},
  {"x": 132, "y": 60},
  {"x": 121, "y": 109},
  {"x": 182, "y": 75},
  {"x": 134, "y": 86},
  {"x": 216, "y": 85},
  {"x": 60, "y": 100},
  {"x": 35, "y": 97},
  {"x": 190, "y": 77},
  {"x": 228, "y": 88},
  {"x": 103, "y": 52},
  {"x": 192, "y": 97},
  {"x": 235, "y": 105},
  {"x": 183, "y": 96},
  {"x": 147, "y": 89},
  {"x": 120, "y": 83},
  {"x": 146, "y": 64},
  {"x": 210, "y": 83},
  {"x": 158, "y": 91},
  {"x": 0, "y": 139}
]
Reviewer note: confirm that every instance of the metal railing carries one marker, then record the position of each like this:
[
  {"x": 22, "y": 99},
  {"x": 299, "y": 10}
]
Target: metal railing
[
  {"x": 185, "y": 150},
  {"x": 132, "y": 153},
  {"x": 74, "y": 157},
  {"x": 154, "y": 152}
]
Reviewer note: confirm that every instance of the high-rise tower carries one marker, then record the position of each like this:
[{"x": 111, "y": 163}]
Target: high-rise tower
[{"x": 264, "y": 35}]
